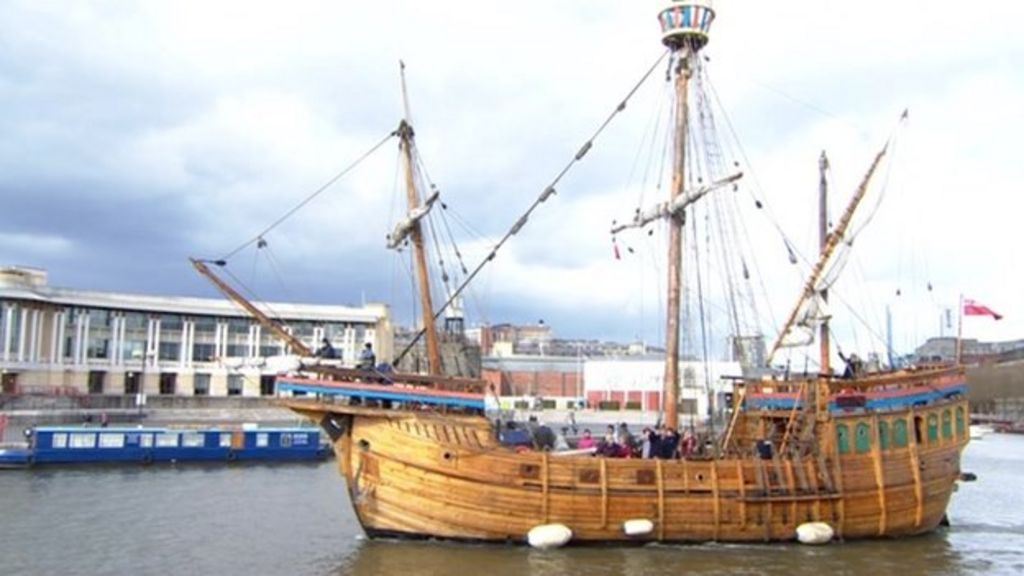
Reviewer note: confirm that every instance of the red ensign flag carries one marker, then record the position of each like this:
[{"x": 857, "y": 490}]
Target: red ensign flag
[{"x": 972, "y": 308}]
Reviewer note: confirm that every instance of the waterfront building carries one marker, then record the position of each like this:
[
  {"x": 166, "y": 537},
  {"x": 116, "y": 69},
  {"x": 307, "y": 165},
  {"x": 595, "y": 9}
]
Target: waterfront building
[
  {"x": 612, "y": 383},
  {"x": 68, "y": 341},
  {"x": 549, "y": 377},
  {"x": 972, "y": 351},
  {"x": 635, "y": 382}
]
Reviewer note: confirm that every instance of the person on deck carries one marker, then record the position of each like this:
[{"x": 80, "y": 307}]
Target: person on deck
[
  {"x": 669, "y": 447},
  {"x": 367, "y": 359},
  {"x": 326, "y": 351},
  {"x": 625, "y": 438},
  {"x": 561, "y": 442},
  {"x": 586, "y": 441},
  {"x": 688, "y": 445},
  {"x": 609, "y": 445},
  {"x": 854, "y": 366},
  {"x": 650, "y": 444}
]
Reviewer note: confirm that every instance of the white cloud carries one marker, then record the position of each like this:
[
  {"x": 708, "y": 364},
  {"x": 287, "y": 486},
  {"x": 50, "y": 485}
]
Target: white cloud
[
  {"x": 17, "y": 247},
  {"x": 241, "y": 109}
]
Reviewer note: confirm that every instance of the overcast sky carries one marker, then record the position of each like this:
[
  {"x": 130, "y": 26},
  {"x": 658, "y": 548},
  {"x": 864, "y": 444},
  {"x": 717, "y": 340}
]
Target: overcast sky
[{"x": 138, "y": 134}]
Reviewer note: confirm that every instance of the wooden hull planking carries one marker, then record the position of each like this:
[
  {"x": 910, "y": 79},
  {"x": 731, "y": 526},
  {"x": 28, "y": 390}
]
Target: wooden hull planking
[{"x": 424, "y": 475}]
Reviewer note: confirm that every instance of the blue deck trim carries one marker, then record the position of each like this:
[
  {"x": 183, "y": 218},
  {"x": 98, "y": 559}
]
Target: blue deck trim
[
  {"x": 380, "y": 395},
  {"x": 885, "y": 404}
]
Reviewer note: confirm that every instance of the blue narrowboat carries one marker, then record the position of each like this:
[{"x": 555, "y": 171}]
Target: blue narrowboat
[{"x": 76, "y": 445}]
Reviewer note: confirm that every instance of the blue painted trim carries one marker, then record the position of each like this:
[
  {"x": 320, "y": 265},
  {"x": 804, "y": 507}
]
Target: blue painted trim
[
  {"x": 896, "y": 403},
  {"x": 380, "y": 395}
]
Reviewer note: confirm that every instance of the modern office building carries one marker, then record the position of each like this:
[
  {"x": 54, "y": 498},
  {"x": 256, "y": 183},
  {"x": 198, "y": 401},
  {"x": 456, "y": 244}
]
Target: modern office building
[{"x": 67, "y": 341}]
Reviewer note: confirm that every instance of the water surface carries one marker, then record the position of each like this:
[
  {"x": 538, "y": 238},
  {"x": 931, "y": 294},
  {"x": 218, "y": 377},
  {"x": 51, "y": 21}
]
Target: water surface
[{"x": 296, "y": 519}]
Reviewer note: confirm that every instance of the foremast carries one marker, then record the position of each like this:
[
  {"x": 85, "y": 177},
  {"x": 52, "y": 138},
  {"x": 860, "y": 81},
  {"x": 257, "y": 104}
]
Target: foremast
[{"x": 406, "y": 137}]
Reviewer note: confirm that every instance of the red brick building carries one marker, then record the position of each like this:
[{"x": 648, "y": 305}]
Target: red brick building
[{"x": 535, "y": 376}]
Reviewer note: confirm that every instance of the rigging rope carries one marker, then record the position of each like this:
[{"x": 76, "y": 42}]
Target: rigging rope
[
  {"x": 703, "y": 330},
  {"x": 543, "y": 197},
  {"x": 309, "y": 198}
]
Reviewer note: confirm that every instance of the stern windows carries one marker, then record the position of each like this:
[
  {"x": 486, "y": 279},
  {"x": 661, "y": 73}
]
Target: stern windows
[
  {"x": 933, "y": 428},
  {"x": 843, "y": 438},
  {"x": 863, "y": 439},
  {"x": 884, "y": 439},
  {"x": 947, "y": 425},
  {"x": 899, "y": 434}
]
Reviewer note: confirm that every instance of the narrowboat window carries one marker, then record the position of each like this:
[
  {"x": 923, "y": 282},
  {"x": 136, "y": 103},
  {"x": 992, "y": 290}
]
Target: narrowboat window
[
  {"x": 300, "y": 439},
  {"x": 286, "y": 440},
  {"x": 59, "y": 441},
  {"x": 167, "y": 440},
  {"x": 111, "y": 440},
  {"x": 947, "y": 424},
  {"x": 843, "y": 438},
  {"x": 863, "y": 440},
  {"x": 884, "y": 441},
  {"x": 192, "y": 440},
  {"x": 225, "y": 440},
  {"x": 960, "y": 428},
  {"x": 933, "y": 428},
  {"x": 146, "y": 440},
  {"x": 899, "y": 434},
  {"x": 82, "y": 440},
  {"x": 262, "y": 440}
]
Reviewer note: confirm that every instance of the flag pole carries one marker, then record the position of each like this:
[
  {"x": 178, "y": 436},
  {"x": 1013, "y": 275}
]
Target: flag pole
[{"x": 960, "y": 332}]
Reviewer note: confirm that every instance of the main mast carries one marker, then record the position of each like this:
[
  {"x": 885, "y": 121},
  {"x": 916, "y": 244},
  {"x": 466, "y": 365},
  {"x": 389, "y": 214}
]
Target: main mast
[
  {"x": 684, "y": 26},
  {"x": 406, "y": 136}
]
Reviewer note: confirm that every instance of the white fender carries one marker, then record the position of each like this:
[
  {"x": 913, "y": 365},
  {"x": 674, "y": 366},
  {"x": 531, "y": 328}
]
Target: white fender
[
  {"x": 814, "y": 533},
  {"x": 549, "y": 536},
  {"x": 639, "y": 527}
]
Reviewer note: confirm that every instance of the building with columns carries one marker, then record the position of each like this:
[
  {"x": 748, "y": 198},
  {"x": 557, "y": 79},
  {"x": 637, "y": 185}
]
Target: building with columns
[{"x": 67, "y": 341}]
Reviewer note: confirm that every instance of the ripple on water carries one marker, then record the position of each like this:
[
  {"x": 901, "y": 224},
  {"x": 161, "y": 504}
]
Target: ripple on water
[{"x": 296, "y": 519}]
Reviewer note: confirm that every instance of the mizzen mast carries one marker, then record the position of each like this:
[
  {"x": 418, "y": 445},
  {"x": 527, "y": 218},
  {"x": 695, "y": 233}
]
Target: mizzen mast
[
  {"x": 825, "y": 344},
  {"x": 684, "y": 27},
  {"x": 415, "y": 232},
  {"x": 832, "y": 242}
]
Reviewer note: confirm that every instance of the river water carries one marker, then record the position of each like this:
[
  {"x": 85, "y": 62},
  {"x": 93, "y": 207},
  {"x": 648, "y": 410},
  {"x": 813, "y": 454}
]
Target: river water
[{"x": 296, "y": 519}]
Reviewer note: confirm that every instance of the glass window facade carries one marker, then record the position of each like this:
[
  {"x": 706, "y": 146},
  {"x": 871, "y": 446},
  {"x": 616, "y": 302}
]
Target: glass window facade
[
  {"x": 235, "y": 384},
  {"x": 201, "y": 384}
]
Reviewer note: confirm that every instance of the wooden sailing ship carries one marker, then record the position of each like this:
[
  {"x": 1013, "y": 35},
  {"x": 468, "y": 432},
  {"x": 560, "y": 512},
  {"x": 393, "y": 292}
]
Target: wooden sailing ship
[{"x": 877, "y": 455}]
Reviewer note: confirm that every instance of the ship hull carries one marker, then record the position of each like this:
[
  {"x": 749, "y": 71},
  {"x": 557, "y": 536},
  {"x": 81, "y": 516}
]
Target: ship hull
[{"x": 423, "y": 475}]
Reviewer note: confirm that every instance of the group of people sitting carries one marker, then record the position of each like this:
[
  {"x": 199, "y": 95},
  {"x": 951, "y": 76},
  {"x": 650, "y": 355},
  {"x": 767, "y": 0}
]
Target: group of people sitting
[
  {"x": 660, "y": 442},
  {"x": 618, "y": 442}
]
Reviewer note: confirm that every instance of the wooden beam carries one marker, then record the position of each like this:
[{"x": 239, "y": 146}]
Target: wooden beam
[
  {"x": 661, "y": 497},
  {"x": 915, "y": 467},
  {"x": 604, "y": 492},
  {"x": 876, "y": 458}
]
